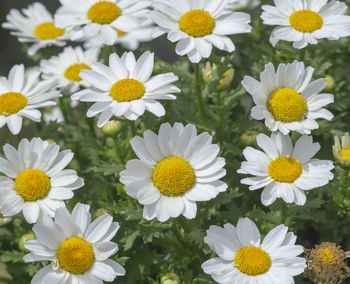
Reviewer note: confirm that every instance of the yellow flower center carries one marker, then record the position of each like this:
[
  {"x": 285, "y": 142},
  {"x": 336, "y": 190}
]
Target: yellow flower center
[
  {"x": 127, "y": 90},
  {"x": 326, "y": 256},
  {"x": 173, "y": 176},
  {"x": 344, "y": 155},
  {"x": 72, "y": 72},
  {"x": 32, "y": 184},
  {"x": 75, "y": 255},
  {"x": 104, "y": 12},
  {"x": 48, "y": 30},
  {"x": 287, "y": 105},
  {"x": 197, "y": 23},
  {"x": 306, "y": 21},
  {"x": 252, "y": 261},
  {"x": 121, "y": 33},
  {"x": 11, "y": 103},
  {"x": 285, "y": 169}
]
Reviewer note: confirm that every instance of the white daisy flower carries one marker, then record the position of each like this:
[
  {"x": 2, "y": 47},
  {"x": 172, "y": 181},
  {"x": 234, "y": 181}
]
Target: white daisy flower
[
  {"x": 287, "y": 100},
  {"x": 21, "y": 95},
  {"x": 54, "y": 114},
  {"x": 242, "y": 4},
  {"x": 243, "y": 258},
  {"x": 66, "y": 66},
  {"x": 78, "y": 249},
  {"x": 96, "y": 18},
  {"x": 303, "y": 22},
  {"x": 125, "y": 88},
  {"x": 130, "y": 40},
  {"x": 35, "y": 26},
  {"x": 197, "y": 25},
  {"x": 35, "y": 180},
  {"x": 175, "y": 169},
  {"x": 283, "y": 171}
]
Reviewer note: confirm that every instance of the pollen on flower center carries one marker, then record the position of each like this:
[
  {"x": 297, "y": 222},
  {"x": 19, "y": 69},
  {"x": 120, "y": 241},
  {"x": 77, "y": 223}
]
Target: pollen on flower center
[
  {"x": 284, "y": 169},
  {"x": 252, "y": 261},
  {"x": 326, "y": 256},
  {"x": 104, "y": 12},
  {"x": 127, "y": 90},
  {"x": 32, "y": 184},
  {"x": 287, "y": 105},
  {"x": 173, "y": 176},
  {"x": 344, "y": 155},
  {"x": 48, "y": 30},
  {"x": 72, "y": 72},
  {"x": 11, "y": 103},
  {"x": 197, "y": 23},
  {"x": 75, "y": 255},
  {"x": 306, "y": 21}
]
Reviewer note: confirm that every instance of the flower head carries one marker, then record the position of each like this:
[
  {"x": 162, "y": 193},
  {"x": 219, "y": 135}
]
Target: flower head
[
  {"x": 77, "y": 248},
  {"x": 244, "y": 259},
  {"x": 20, "y": 96},
  {"x": 326, "y": 263},
  {"x": 100, "y": 19},
  {"x": 175, "y": 169},
  {"x": 198, "y": 25},
  {"x": 126, "y": 89},
  {"x": 35, "y": 180},
  {"x": 36, "y": 26},
  {"x": 66, "y": 66},
  {"x": 341, "y": 150},
  {"x": 287, "y": 100},
  {"x": 285, "y": 171},
  {"x": 305, "y": 22}
]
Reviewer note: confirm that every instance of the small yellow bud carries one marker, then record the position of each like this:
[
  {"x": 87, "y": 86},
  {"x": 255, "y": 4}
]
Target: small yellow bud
[
  {"x": 226, "y": 80},
  {"x": 330, "y": 83},
  {"x": 170, "y": 278},
  {"x": 111, "y": 128},
  {"x": 99, "y": 212},
  {"x": 23, "y": 239}
]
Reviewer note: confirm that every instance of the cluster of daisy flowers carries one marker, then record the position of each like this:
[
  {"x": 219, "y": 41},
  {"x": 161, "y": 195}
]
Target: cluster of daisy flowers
[{"x": 176, "y": 167}]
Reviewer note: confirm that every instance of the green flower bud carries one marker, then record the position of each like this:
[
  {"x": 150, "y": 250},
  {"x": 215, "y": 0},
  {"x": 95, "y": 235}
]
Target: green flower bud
[
  {"x": 99, "y": 212},
  {"x": 111, "y": 128},
  {"x": 330, "y": 83},
  {"x": 170, "y": 278},
  {"x": 158, "y": 65},
  {"x": 226, "y": 80},
  {"x": 248, "y": 137},
  {"x": 23, "y": 239}
]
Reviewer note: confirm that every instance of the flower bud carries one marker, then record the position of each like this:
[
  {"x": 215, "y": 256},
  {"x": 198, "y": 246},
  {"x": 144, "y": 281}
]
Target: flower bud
[
  {"x": 248, "y": 137},
  {"x": 111, "y": 128},
  {"x": 170, "y": 278},
  {"x": 23, "y": 239},
  {"x": 330, "y": 83},
  {"x": 226, "y": 80}
]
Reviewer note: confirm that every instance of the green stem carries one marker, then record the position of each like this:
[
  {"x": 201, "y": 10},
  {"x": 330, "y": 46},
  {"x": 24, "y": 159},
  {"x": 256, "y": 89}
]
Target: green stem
[
  {"x": 284, "y": 210},
  {"x": 221, "y": 117},
  {"x": 133, "y": 128},
  {"x": 198, "y": 88}
]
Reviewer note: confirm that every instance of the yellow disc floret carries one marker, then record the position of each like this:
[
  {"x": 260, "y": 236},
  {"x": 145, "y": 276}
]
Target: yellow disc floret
[
  {"x": 197, "y": 23},
  {"x": 306, "y": 21},
  {"x": 287, "y": 105},
  {"x": 48, "y": 30},
  {"x": 104, "y": 12},
  {"x": 326, "y": 255},
  {"x": 72, "y": 72},
  {"x": 284, "y": 169},
  {"x": 252, "y": 261},
  {"x": 32, "y": 184},
  {"x": 127, "y": 90},
  {"x": 11, "y": 103},
  {"x": 344, "y": 155},
  {"x": 75, "y": 255},
  {"x": 173, "y": 176}
]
